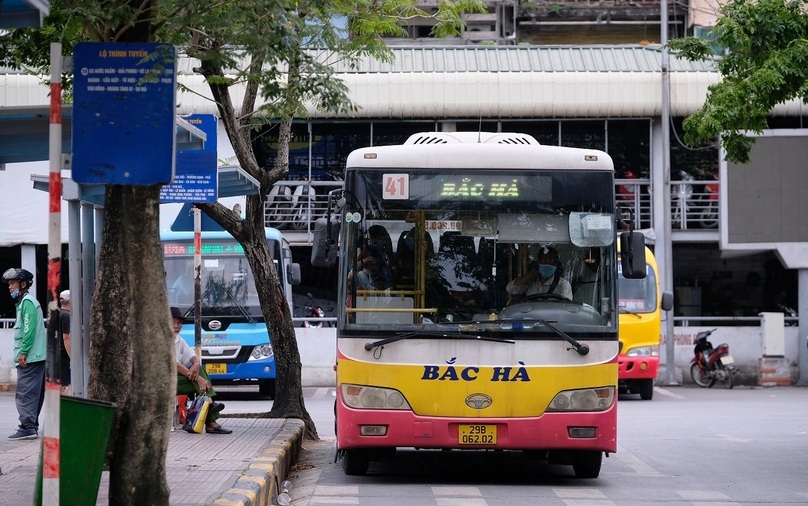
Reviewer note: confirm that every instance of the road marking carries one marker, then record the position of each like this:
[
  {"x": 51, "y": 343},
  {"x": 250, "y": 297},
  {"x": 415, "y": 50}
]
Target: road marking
[
  {"x": 668, "y": 393},
  {"x": 335, "y": 494},
  {"x": 703, "y": 495},
  {"x": 460, "y": 501},
  {"x": 460, "y": 496},
  {"x": 578, "y": 492},
  {"x": 322, "y": 499},
  {"x": 321, "y": 393},
  {"x": 336, "y": 490},
  {"x": 588, "y": 502},
  {"x": 581, "y": 496},
  {"x": 635, "y": 463},
  {"x": 727, "y": 437},
  {"x": 457, "y": 491}
]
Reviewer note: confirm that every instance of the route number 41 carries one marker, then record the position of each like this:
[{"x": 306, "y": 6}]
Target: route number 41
[{"x": 396, "y": 186}]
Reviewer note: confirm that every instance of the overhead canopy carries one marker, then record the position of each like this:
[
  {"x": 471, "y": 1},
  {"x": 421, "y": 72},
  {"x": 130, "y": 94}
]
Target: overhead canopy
[
  {"x": 22, "y": 13},
  {"x": 233, "y": 182},
  {"x": 24, "y": 133}
]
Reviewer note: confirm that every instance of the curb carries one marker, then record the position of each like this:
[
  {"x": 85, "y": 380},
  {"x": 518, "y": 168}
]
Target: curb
[{"x": 259, "y": 484}]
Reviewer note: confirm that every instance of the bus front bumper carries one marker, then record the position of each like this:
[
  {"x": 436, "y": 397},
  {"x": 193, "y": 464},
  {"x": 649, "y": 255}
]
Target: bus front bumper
[
  {"x": 251, "y": 370},
  {"x": 550, "y": 431},
  {"x": 633, "y": 368}
]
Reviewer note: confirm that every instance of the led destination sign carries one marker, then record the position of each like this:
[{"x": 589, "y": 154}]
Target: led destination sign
[
  {"x": 480, "y": 187},
  {"x": 468, "y": 187},
  {"x": 227, "y": 248}
]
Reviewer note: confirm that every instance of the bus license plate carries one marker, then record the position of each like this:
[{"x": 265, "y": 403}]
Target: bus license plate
[
  {"x": 216, "y": 368},
  {"x": 477, "y": 434},
  {"x": 727, "y": 359}
]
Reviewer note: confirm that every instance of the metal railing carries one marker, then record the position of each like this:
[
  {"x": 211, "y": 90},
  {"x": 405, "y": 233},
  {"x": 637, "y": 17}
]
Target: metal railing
[{"x": 294, "y": 205}]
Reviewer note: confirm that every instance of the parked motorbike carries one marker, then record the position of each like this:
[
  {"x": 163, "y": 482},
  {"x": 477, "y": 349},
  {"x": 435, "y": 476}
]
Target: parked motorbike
[
  {"x": 789, "y": 313},
  {"x": 709, "y": 212},
  {"x": 710, "y": 364},
  {"x": 313, "y": 311},
  {"x": 682, "y": 199}
]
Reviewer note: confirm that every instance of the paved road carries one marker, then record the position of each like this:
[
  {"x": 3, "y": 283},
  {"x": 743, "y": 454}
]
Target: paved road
[{"x": 687, "y": 446}]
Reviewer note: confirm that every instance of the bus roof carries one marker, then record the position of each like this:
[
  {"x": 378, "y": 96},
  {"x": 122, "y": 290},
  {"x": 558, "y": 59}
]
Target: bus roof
[{"x": 472, "y": 150}]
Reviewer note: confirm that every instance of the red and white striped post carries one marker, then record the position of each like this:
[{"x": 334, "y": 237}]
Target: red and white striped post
[
  {"x": 198, "y": 282},
  {"x": 51, "y": 456}
]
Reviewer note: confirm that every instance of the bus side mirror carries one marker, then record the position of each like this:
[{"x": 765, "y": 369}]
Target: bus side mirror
[
  {"x": 293, "y": 274},
  {"x": 667, "y": 301},
  {"x": 632, "y": 254},
  {"x": 324, "y": 246}
]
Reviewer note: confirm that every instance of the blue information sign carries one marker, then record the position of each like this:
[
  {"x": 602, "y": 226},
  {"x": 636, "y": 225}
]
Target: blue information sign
[
  {"x": 123, "y": 113},
  {"x": 195, "y": 177}
]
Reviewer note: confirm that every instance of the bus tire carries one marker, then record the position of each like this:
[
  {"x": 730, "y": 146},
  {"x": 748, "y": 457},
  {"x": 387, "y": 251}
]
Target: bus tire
[
  {"x": 586, "y": 464},
  {"x": 355, "y": 462},
  {"x": 646, "y": 389},
  {"x": 266, "y": 388}
]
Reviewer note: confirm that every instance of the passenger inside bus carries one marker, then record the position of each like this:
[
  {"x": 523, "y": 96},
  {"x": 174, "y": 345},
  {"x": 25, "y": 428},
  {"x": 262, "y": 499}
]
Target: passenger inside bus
[
  {"x": 372, "y": 272},
  {"x": 586, "y": 284},
  {"x": 182, "y": 290},
  {"x": 542, "y": 276}
]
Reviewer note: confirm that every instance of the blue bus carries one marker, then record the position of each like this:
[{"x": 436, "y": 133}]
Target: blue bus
[{"x": 236, "y": 346}]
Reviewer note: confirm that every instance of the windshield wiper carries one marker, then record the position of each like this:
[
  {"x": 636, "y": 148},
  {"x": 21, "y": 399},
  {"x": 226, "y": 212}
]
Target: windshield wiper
[
  {"x": 581, "y": 348},
  {"x": 232, "y": 297},
  {"x": 454, "y": 335},
  {"x": 623, "y": 310}
]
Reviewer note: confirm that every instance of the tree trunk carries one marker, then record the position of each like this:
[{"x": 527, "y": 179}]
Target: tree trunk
[
  {"x": 288, "y": 401},
  {"x": 131, "y": 346},
  {"x": 250, "y": 233}
]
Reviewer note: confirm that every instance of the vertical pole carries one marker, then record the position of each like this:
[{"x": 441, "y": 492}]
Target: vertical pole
[
  {"x": 802, "y": 333},
  {"x": 89, "y": 246},
  {"x": 51, "y": 442},
  {"x": 198, "y": 282},
  {"x": 77, "y": 302},
  {"x": 664, "y": 240}
]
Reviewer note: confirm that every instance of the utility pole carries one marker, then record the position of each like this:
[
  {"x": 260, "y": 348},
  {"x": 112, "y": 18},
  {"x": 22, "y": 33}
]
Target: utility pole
[{"x": 662, "y": 198}]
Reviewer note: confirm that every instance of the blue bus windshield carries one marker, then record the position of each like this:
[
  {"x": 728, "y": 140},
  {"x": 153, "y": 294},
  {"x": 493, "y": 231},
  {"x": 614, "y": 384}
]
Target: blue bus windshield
[{"x": 227, "y": 283}]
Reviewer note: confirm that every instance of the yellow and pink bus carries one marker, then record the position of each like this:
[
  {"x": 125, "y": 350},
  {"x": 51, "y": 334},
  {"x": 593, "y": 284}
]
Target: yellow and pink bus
[{"x": 436, "y": 350}]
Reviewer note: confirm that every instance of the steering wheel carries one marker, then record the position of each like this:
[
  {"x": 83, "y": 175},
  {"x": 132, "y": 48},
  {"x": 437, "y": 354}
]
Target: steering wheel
[{"x": 540, "y": 296}]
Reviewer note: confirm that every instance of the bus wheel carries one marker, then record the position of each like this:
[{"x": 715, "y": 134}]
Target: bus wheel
[
  {"x": 586, "y": 464},
  {"x": 355, "y": 462},
  {"x": 646, "y": 389},
  {"x": 266, "y": 388}
]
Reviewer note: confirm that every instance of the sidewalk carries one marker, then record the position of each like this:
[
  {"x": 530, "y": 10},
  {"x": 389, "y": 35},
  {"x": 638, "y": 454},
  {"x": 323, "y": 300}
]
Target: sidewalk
[{"x": 242, "y": 468}]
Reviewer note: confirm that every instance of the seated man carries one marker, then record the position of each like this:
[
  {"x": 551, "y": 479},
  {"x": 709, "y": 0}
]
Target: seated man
[
  {"x": 192, "y": 378},
  {"x": 542, "y": 277},
  {"x": 373, "y": 273}
]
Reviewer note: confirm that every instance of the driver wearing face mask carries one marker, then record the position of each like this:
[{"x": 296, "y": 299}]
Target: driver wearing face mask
[{"x": 542, "y": 276}]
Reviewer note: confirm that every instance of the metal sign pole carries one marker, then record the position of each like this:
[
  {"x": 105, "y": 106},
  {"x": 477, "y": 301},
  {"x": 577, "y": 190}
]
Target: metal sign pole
[
  {"x": 198, "y": 282},
  {"x": 51, "y": 457}
]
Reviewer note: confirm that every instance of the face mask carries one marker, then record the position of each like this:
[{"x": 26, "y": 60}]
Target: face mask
[
  {"x": 547, "y": 271},
  {"x": 15, "y": 294}
]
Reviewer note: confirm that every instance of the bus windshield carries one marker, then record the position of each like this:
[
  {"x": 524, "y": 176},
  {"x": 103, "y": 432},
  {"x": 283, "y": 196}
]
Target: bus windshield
[
  {"x": 227, "y": 286},
  {"x": 473, "y": 251},
  {"x": 638, "y": 295}
]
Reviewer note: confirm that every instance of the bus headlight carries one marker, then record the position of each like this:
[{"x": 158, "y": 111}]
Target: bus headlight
[
  {"x": 643, "y": 351},
  {"x": 262, "y": 352},
  {"x": 586, "y": 399},
  {"x": 364, "y": 397}
]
